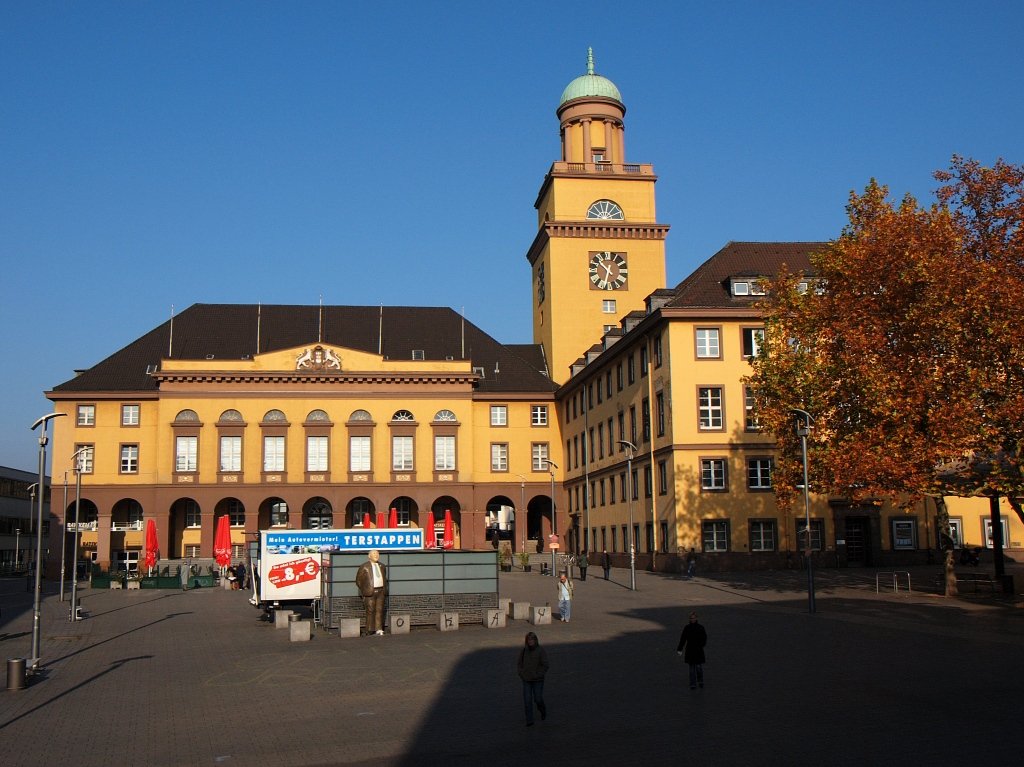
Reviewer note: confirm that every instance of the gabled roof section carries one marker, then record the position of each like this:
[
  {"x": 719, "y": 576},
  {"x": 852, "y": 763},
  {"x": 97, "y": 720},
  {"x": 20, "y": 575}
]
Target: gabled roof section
[
  {"x": 240, "y": 331},
  {"x": 708, "y": 285}
]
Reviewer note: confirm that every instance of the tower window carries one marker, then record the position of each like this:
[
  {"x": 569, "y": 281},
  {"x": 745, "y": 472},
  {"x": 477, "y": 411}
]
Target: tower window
[
  {"x": 605, "y": 209},
  {"x": 608, "y": 306}
]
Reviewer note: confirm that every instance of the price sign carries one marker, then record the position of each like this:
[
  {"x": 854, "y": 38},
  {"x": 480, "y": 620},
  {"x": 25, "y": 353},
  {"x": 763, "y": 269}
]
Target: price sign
[{"x": 294, "y": 572}]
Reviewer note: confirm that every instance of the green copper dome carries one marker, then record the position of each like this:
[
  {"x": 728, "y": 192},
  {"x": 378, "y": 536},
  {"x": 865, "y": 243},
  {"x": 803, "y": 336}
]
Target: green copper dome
[{"x": 590, "y": 85}]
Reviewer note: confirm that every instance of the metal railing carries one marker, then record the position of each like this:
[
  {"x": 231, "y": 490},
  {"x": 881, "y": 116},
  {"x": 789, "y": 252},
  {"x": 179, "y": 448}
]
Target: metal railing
[{"x": 896, "y": 576}]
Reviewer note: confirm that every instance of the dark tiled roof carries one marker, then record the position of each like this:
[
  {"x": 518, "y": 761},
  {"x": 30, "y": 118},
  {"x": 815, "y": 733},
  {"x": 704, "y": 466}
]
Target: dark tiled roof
[
  {"x": 229, "y": 331},
  {"x": 708, "y": 286}
]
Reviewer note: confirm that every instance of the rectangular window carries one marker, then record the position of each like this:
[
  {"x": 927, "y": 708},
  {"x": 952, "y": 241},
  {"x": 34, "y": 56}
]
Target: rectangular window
[
  {"x": 608, "y": 383},
  {"x": 85, "y": 458},
  {"x": 645, "y": 419},
  {"x": 273, "y": 454},
  {"x": 618, "y": 376},
  {"x": 611, "y": 437},
  {"x": 657, "y": 351},
  {"x": 86, "y": 415},
  {"x": 710, "y": 415},
  {"x": 230, "y": 453},
  {"x": 193, "y": 515},
  {"x": 499, "y": 456},
  {"x": 611, "y": 489},
  {"x": 601, "y": 487},
  {"x": 622, "y": 486},
  {"x": 608, "y": 306},
  {"x": 499, "y": 415},
  {"x": 762, "y": 535},
  {"x": 614, "y": 538},
  {"x": 576, "y": 452},
  {"x": 401, "y": 453},
  {"x": 622, "y": 429},
  {"x": 759, "y": 473},
  {"x": 632, "y": 424},
  {"x": 662, "y": 478},
  {"x": 185, "y": 453},
  {"x": 715, "y": 535},
  {"x": 643, "y": 360},
  {"x": 956, "y": 531},
  {"x": 708, "y": 346},
  {"x": 630, "y": 370},
  {"x": 664, "y": 537},
  {"x": 753, "y": 339},
  {"x": 712, "y": 474},
  {"x": 444, "y": 453},
  {"x": 316, "y": 454},
  {"x": 988, "y": 532},
  {"x": 600, "y": 392},
  {"x": 539, "y": 453},
  {"x": 659, "y": 400},
  {"x": 750, "y": 420},
  {"x": 358, "y": 454},
  {"x": 129, "y": 415},
  {"x": 904, "y": 533},
  {"x": 600, "y": 440},
  {"x": 817, "y": 534},
  {"x": 648, "y": 482},
  {"x": 538, "y": 415},
  {"x": 129, "y": 459}
]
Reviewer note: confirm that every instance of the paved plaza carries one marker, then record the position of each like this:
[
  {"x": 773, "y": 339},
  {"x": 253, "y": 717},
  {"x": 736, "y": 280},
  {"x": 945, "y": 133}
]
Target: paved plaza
[{"x": 170, "y": 678}]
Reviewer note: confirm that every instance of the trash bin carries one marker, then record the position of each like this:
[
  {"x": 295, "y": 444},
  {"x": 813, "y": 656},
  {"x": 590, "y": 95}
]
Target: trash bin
[
  {"x": 294, "y": 617},
  {"x": 16, "y": 673}
]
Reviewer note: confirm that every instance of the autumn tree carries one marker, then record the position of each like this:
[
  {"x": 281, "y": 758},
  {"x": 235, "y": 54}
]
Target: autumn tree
[{"x": 908, "y": 351}]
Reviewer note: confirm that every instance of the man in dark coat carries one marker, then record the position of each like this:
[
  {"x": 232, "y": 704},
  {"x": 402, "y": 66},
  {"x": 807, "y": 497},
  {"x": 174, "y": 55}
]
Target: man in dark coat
[
  {"x": 532, "y": 665},
  {"x": 606, "y": 564},
  {"x": 693, "y": 639},
  {"x": 372, "y": 582}
]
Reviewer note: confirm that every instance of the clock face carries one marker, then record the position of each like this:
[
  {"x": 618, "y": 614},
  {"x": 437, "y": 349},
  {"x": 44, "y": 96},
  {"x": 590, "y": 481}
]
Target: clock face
[{"x": 608, "y": 270}]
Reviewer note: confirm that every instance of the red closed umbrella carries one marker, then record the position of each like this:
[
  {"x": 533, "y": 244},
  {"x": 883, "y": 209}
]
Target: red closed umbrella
[
  {"x": 380, "y": 519},
  {"x": 152, "y": 545},
  {"x": 393, "y": 517},
  {"x": 366, "y": 519},
  {"x": 448, "y": 541},
  {"x": 430, "y": 538},
  {"x": 222, "y": 541}
]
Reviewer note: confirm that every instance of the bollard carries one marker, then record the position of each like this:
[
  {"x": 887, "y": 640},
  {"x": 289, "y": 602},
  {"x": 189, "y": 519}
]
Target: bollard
[{"x": 15, "y": 673}]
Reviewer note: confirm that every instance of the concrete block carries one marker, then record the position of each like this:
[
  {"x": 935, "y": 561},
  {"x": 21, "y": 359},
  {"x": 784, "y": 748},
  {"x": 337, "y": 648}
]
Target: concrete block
[
  {"x": 281, "y": 618},
  {"x": 540, "y": 616},
  {"x": 348, "y": 627},
  {"x": 134, "y": 585},
  {"x": 447, "y": 621},
  {"x": 399, "y": 624},
  {"x": 505, "y": 605},
  {"x": 520, "y": 611},
  {"x": 494, "y": 619},
  {"x": 115, "y": 584},
  {"x": 300, "y": 631}
]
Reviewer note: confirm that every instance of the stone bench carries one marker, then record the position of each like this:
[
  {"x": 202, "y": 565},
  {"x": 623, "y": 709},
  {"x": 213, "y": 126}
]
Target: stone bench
[{"x": 447, "y": 621}]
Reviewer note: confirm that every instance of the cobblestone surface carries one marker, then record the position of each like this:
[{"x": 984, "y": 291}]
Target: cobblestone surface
[{"x": 168, "y": 679}]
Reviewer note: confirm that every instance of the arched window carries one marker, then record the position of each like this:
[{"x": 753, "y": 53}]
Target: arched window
[
  {"x": 402, "y": 415},
  {"x": 445, "y": 415},
  {"x": 360, "y": 415},
  {"x": 317, "y": 415},
  {"x": 274, "y": 415},
  {"x": 231, "y": 416},
  {"x": 606, "y": 210},
  {"x": 186, "y": 416}
]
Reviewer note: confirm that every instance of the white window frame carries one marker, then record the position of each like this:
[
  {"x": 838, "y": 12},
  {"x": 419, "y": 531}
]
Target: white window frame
[
  {"x": 539, "y": 452},
  {"x": 193, "y": 516},
  {"x": 499, "y": 456},
  {"x": 444, "y": 453},
  {"x": 759, "y": 473},
  {"x": 85, "y": 458},
  {"x": 317, "y": 453},
  {"x": 752, "y": 341},
  {"x": 714, "y": 535},
  {"x": 130, "y": 414},
  {"x": 129, "y": 463},
  {"x": 538, "y": 415},
  {"x": 359, "y": 454},
  {"x": 987, "y": 529},
  {"x": 85, "y": 415},
  {"x": 713, "y": 475},
  {"x": 711, "y": 408},
  {"x": 708, "y": 343},
  {"x": 230, "y": 453},
  {"x": 273, "y": 454},
  {"x": 760, "y": 531},
  {"x": 904, "y": 534},
  {"x": 186, "y": 453},
  {"x": 499, "y": 415},
  {"x": 402, "y": 453},
  {"x": 609, "y": 306}
]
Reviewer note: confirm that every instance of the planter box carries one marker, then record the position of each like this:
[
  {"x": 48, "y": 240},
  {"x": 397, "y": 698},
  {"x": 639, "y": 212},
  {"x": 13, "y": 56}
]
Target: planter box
[
  {"x": 99, "y": 582},
  {"x": 149, "y": 583},
  {"x": 201, "y": 581}
]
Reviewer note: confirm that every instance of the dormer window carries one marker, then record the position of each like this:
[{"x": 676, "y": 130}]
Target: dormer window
[
  {"x": 741, "y": 288},
  {"x": 417, "y": 354},
  {"x": 756, "y": 288}
]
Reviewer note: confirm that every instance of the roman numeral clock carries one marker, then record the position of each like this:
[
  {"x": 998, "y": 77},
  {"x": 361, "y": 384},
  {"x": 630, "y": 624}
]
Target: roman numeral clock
[{"x": 608, "y": 270}]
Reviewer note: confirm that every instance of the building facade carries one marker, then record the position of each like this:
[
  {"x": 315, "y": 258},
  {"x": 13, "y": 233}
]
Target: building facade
[{"x": 628, "y": 410}]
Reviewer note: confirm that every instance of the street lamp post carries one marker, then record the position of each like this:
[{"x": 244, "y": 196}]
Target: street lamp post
[
  {"x": 17, "y": 548},
  {"x": 522, "y": 502},
  {"x": 39, "y": 533},
  {"x": 802, "y": 430},
  {"x": 78, "y": 457},
  {"x": 63, "y": 535},
  {"x": 554, "y": 518},
  {"x": 630, "y": 452}
]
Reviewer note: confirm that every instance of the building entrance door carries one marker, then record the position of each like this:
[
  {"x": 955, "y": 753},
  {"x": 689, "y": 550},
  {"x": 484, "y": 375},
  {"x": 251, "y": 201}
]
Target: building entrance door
[{"x": 856, "y": 540}]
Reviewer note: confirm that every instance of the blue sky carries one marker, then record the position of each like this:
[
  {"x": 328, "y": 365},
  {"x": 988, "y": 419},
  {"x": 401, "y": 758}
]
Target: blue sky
[{"x": 166, "y": 153}]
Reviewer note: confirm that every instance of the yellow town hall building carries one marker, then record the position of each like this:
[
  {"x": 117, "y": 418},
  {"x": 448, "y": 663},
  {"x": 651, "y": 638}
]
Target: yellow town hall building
[{"x": 629, "y": 405}]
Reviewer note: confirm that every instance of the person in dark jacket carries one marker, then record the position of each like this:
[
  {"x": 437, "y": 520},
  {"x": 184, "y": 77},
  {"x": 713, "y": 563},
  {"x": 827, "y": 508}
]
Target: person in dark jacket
[
  {"x": 606, "y": 564},
  {"x": 532, "y": 666},
  {"x": 582, "y": 563},
  {"x": 693, "y": 639}
]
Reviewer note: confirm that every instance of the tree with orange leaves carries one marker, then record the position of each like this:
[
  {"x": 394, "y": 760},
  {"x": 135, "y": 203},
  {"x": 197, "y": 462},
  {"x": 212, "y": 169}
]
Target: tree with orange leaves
[{"x": 909, "y": 351}]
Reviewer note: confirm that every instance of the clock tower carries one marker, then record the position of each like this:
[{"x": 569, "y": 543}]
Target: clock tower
[{"x": 599, "y": 251}]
